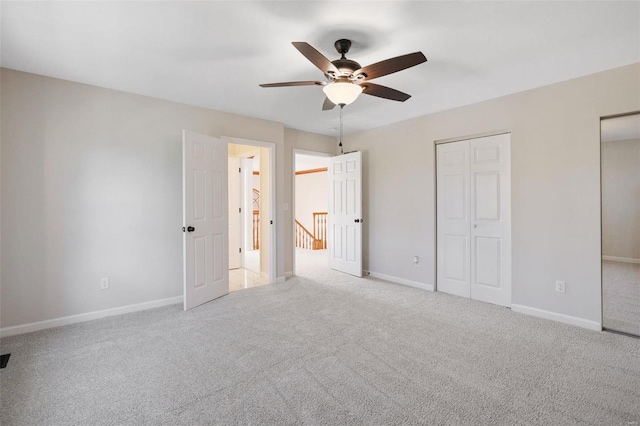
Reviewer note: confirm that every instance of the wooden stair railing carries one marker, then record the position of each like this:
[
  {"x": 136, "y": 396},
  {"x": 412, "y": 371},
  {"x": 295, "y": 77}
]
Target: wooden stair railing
[
  {"x": 316, "y": 240},
  {"x": 304, "y": 238},
  {"x": 256, "y": 230},
  {"x": 320, "y": 230}
]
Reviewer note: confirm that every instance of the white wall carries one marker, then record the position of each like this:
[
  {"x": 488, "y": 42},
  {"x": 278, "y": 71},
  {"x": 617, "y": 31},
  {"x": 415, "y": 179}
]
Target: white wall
[
  {"x": 621, "y": 199},
  {"x": 311, "y": 196},
  {"x": 92, "y": 187},
  {"x": 555, "y": 165}
]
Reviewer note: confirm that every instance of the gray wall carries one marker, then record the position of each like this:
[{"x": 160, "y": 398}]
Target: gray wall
[
  {"x": 91, "y": 185},
  {"x": 555, "y": 163}
]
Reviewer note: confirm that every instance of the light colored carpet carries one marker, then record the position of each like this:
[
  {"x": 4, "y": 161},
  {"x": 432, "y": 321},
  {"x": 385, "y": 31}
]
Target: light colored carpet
[
  {"x": 621, "y": 296},
  {"x": 327, "y": 350}
]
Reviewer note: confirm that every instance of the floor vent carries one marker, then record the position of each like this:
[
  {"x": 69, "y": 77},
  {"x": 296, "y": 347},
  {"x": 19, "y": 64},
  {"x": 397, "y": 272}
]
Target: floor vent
[{"x": 4, "y": 359}]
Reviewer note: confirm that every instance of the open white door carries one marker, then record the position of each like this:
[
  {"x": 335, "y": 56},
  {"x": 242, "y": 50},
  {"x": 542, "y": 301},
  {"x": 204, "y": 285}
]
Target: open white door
[
  {"x": 235, "y": 213},
  {"x": 206, "y": 232},
  {"x": 345, "y": 213}
]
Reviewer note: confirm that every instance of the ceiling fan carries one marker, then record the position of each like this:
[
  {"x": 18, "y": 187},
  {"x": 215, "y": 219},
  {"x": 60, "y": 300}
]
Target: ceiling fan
[{"x": 346, "y": 79}]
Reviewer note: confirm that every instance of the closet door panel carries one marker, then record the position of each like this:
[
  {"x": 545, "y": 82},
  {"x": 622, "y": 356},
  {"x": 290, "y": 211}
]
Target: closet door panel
[
  {"x": 453, "y": 275},
  {"x": 491, "y": 220}
]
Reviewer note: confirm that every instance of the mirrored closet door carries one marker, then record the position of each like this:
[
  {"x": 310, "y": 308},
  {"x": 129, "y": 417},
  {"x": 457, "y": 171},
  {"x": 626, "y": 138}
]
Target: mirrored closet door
[{"x": 620, "y": 166}]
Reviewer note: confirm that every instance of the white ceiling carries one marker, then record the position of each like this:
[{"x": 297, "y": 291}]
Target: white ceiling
[{"x": 214, "y": 54}]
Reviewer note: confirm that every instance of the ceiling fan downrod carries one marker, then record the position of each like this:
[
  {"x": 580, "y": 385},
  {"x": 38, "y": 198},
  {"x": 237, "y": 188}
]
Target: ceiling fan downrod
[{"x": 340, "y": 144}]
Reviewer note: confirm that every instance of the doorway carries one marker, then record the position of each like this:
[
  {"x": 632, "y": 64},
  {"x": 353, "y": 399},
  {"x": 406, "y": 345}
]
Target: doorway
[
  {"x": 250, "y": 190},
  {"x": 310, "y": 207},
  {"x": 473, "y": 210},
  {"x": 620, "y": 204}
]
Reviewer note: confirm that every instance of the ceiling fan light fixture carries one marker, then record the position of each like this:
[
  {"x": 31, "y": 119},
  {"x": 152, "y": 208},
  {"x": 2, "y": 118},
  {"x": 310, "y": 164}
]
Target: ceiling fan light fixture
[{"x": 342, "y": 93}]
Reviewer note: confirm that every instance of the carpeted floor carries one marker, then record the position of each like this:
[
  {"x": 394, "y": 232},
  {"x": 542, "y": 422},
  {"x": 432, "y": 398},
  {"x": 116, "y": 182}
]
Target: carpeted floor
[
  {"x": 327, "y": 350},
  {"x": 621, "y": 296}
]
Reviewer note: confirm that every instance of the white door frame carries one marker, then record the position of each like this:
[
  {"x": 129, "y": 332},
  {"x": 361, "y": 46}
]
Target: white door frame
[
  {"x": 435, "y": 196},
  {"x": 272, "y": 233},
  {"x": 292, "y": 208}
]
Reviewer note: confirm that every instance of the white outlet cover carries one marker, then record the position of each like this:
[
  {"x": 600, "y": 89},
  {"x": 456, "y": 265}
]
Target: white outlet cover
[
  {"x": 560, "y": 286},
  {"x": 104, "y": 283}
]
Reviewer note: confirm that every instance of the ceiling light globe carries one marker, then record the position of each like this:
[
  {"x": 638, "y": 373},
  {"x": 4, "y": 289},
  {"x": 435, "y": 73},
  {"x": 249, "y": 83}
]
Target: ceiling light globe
[{"x": 342, "y": 93}]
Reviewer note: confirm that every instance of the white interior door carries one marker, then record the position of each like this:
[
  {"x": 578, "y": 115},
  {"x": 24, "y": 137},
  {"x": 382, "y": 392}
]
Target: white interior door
[
  {"x": 205, "y": 240},
  {"x": 345, "y": 213},
  {"x": 474, "y": 219},
  {"x": 235, "y": 213},
  {"x": 453, "y": 252},
  {"x": 246, "y": 218},
  {"x": 491, "y": 219}
]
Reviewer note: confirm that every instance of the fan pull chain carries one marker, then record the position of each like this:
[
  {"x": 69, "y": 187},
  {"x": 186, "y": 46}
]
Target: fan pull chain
[{"x": 340, "y": 144}]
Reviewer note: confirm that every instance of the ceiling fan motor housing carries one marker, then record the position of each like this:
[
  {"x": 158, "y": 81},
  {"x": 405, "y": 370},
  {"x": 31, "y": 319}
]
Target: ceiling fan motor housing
[{"x": 346, "y": 66}]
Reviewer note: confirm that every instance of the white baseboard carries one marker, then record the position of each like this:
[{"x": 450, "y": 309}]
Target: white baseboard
[
  {"x": 280, "y": 279},
  {"x": 88, "y": 316},
  {"x": 416, "y": 284},
  {"x": 288, "y": 274},
  {"x": 567, "y": 319},
  {"x": 621, "y": 259}
]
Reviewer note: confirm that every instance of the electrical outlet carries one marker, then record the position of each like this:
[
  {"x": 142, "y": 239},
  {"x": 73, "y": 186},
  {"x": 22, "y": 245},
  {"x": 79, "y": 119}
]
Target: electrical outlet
[
  {"x": 416, "y": 259},
  {"x": 104, "y": 283},
  {"x": 560, "y": 286}
]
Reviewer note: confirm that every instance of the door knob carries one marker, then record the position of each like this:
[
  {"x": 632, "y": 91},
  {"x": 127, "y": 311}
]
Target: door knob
[
  {"x": 189, "y": 229},
  {"x": 357, "y": 220}
]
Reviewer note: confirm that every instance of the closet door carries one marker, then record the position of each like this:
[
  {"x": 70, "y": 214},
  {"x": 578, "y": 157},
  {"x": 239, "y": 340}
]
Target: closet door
[
  {"x": 491, "y": 219},
  {"x": 453, "y": 211},
  {"x": 474, "y": 219}
]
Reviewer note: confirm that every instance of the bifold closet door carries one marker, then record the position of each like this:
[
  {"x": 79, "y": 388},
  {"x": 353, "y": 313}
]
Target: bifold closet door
[
  {"x": 474, "y": 219},
  {"x": 453, "y": 248}
]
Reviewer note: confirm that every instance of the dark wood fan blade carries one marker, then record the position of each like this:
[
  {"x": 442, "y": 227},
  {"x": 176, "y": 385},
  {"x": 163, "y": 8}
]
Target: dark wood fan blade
[
  {"x": 328, "y": 105},
  {"x": 384, "y": 92},
  {"x": 294, "y": 83},
  {"x": 316, "y": 58},
  {"x": 392, "y": 65}
]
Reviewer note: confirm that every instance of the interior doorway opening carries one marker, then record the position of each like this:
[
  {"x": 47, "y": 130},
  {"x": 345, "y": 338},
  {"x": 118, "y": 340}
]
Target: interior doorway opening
[
  {"x": 310, "y": 208},
  {"x": 249, "y": 169}
]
